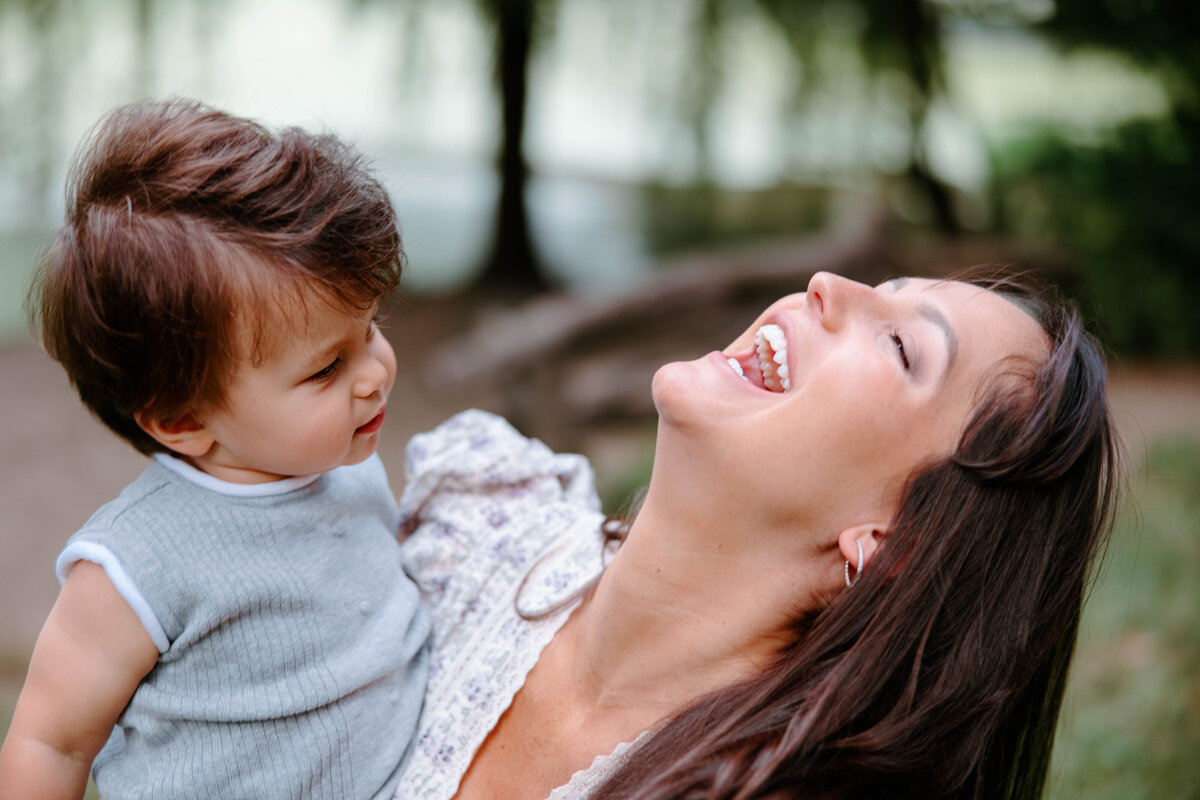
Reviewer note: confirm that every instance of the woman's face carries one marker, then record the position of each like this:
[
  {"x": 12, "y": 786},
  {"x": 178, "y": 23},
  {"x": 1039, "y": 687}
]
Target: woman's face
[{"x": 833, "y": 397}]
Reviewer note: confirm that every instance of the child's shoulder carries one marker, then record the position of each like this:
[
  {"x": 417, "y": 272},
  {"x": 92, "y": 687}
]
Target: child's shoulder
[
  {"x": 165, "y": 494},
  {"x": 152, "y": 481}
]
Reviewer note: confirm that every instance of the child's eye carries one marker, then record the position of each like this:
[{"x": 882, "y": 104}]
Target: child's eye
[{"x": 324, "y": 374}]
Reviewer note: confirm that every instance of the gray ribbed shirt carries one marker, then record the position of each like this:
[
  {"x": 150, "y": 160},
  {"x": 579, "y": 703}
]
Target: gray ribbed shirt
[{"x": 293, "y": 654}]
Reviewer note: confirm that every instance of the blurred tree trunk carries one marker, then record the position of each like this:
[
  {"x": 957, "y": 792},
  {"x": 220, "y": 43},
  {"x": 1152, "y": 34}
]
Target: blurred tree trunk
[
  {"x": 512, "y": 264},
  {"x": 896, "y": 36},
  {"x": 941, "y": 204},
  {"x": 143, "y": 62},
  {"x": 700, "y": 94},
  {"x": 44, "y": 107},
  {"x": 915, "y": 26}
]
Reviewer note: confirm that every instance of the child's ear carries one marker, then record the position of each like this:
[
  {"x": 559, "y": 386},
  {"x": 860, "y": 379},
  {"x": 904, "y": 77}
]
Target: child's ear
[{"x": 185, "y": 435}]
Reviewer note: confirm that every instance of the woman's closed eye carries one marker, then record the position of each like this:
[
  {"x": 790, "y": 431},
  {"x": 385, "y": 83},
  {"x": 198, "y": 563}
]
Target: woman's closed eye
[{"x": 899, "y": 342}]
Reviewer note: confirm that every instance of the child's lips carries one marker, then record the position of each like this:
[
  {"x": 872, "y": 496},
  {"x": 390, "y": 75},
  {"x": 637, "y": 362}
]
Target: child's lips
[{"x": 375, "y": 424}]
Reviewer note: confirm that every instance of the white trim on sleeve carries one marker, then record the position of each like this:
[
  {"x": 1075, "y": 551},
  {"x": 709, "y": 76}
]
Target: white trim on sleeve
[{"x": 103, "y": 557}]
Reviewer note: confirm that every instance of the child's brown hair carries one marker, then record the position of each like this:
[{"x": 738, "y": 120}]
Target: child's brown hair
[{"x": 181, "y": 223}]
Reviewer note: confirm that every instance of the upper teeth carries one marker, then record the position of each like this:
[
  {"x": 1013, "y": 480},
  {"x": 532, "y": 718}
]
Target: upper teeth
[{"x": 771, "y": 345}]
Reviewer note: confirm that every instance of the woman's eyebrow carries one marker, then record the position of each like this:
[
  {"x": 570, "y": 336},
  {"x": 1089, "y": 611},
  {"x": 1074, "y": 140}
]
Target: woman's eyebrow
[{"x": 935, "y": 315}]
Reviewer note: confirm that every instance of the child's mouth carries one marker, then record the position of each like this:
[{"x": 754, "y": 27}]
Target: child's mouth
[{"x": 375, "y": 424}]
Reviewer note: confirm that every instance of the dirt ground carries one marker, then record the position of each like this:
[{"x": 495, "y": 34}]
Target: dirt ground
[{"x": 57, "y": 464}]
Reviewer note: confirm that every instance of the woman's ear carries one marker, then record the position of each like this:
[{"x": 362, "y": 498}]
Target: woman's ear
[
  {"x": 870, "y": 535},
  {"x": 185, "y": 435}
]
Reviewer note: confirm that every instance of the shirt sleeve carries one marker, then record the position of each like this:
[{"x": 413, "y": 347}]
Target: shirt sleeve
[
  {"x": 82, "y": 550},
  {"x": 474, "y": 484}
]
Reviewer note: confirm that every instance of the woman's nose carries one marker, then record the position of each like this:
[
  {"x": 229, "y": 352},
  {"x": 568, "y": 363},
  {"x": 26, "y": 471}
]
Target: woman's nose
[{"x": 835, "y": 297}]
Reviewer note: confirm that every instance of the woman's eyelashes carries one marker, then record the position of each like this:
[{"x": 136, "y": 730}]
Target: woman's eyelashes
[{"x": 900, "y": 350}]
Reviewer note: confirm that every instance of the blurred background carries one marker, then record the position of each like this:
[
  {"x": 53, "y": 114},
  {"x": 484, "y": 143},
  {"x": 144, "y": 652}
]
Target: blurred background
[{"x": 589, "y": 188}]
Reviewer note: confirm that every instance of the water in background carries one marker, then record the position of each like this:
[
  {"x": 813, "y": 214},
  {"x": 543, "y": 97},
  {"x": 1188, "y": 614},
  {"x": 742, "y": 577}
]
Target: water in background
[{"x": 415, "y": 96}]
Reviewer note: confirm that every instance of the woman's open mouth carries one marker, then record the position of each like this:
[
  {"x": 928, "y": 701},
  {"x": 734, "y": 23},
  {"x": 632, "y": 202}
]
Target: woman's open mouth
[{"x": 767, "y": 365}]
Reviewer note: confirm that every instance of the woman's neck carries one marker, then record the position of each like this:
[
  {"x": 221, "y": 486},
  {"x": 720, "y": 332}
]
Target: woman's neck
[{"x": 684, "y": 609}]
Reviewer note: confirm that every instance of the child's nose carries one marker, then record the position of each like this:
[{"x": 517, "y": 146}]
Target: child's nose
[{"x": 372, "y": 377}]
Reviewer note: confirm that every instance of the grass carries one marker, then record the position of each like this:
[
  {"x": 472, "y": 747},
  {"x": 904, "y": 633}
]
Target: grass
[{"x": 1131, "y": 721}]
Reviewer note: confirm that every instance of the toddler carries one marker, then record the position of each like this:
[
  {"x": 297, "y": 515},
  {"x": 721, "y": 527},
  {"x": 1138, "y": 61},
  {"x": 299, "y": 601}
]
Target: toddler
[{"x": 236, "y": 623}]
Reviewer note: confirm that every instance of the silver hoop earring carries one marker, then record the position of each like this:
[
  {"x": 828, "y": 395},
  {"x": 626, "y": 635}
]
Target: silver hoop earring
[{"x": 858, "y": 570}]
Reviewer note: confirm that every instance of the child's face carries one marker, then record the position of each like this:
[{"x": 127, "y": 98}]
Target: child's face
[{"x": 315, "y": 402}]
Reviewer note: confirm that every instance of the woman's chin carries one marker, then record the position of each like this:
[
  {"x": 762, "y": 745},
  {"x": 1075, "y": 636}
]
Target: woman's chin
[
  {"x": 686, "y": 392},
  {"x": 670, "y": 386}
]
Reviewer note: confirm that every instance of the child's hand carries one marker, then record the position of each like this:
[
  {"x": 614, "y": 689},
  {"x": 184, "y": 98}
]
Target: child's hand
[{"x": 90, "y": 657}]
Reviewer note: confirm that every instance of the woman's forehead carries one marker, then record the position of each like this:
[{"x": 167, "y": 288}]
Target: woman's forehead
[
  {"x": 954, "y": 296},
  {"x": 990, "y": 326}
]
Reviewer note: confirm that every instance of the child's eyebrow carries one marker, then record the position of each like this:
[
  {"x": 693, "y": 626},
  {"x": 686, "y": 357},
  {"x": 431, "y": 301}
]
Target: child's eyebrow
[
  {"x": 319, "y": 353},
  {"x": 322, "y": 350}
]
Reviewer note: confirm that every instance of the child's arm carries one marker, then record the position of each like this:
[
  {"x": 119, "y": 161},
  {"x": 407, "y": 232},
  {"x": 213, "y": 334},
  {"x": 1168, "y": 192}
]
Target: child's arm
[{"x": 90, "y": 657}]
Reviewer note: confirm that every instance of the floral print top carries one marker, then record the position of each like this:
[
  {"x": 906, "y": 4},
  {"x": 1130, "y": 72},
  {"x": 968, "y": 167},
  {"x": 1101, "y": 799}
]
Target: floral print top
[{"x": 498, "y": 522}]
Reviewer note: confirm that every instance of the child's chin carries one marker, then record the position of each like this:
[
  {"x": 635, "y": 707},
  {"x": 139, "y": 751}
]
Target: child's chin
[{"x": 361, "y": 453}]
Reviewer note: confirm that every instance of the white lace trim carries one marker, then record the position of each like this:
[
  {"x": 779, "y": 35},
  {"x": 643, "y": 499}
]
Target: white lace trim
[{"x": 600, "y": 770}]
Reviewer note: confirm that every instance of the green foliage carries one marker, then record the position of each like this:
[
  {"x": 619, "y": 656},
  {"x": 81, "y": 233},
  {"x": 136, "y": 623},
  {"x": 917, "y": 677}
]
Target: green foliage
[
  {"x": 1131, "y": 721},
  {"x": 1158, "y": 34},
  {"x": 1125, "y": 207},
  {"x": 622, "y": 494}
]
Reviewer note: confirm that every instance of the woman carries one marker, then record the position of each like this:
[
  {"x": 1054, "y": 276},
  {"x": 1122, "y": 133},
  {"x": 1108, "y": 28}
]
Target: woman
[{"x": 857, "y": 572}]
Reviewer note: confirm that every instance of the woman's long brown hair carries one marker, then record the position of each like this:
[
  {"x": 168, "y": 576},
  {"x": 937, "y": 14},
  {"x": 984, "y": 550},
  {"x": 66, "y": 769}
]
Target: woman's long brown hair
[{"x": 941, "y": 673}]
